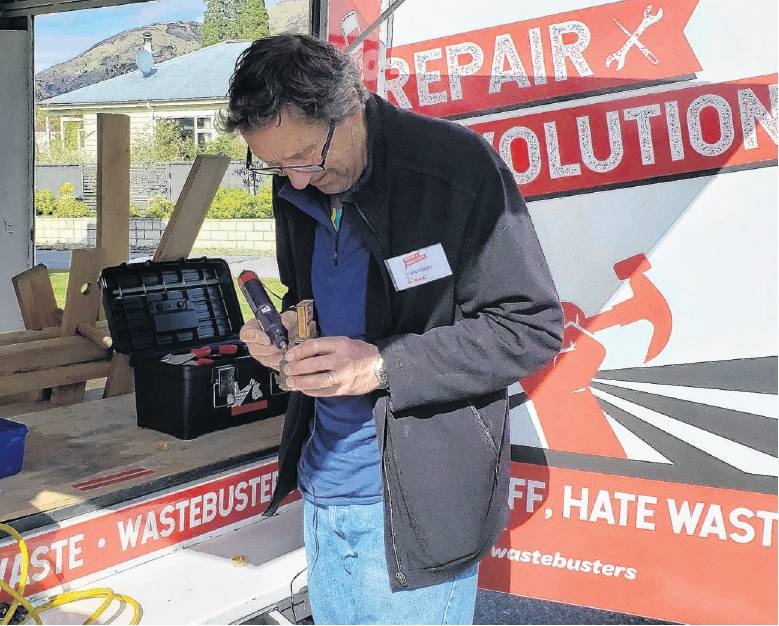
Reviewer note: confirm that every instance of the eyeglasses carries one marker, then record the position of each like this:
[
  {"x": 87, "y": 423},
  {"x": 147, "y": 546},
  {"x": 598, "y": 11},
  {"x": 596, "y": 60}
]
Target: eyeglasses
[{"x": 262, "y": 168}]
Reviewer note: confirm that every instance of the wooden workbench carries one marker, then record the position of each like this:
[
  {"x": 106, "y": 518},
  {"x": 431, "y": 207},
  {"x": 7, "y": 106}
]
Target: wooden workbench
[{"x": 93, "y": 453}]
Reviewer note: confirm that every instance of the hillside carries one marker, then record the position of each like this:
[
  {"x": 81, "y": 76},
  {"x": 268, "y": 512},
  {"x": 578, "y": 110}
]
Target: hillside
[
  {"x": 116, "y": 55},
  {"x": 289, "y": 16}
]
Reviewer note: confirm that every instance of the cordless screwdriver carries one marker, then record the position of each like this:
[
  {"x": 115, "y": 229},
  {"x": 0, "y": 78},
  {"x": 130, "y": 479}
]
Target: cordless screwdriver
[{"x": 263, "y": 309}]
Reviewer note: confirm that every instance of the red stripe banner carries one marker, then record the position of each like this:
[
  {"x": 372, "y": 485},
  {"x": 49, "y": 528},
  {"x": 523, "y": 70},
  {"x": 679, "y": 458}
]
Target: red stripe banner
[
  {"x": 697, "y": 555},
  {"x": 110, "y": 538},
  {"x": 603, "y": 48},
  {"x": 622, "y": 141}
]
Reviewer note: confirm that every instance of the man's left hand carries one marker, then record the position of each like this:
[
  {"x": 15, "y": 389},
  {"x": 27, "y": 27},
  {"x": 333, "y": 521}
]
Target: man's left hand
[{"x": 332, "y": 366}]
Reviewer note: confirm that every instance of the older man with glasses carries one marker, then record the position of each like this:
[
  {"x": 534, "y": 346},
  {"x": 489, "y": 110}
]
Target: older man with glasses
[{"x": 432, "y": 296}]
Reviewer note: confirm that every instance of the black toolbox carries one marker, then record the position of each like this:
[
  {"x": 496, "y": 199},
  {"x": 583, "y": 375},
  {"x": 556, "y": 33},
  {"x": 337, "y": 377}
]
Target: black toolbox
[{"x": 157, "y": 313}]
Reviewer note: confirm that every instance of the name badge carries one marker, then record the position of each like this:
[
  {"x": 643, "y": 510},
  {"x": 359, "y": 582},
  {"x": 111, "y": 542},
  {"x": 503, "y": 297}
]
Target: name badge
[{"x": 418, "y": 267}]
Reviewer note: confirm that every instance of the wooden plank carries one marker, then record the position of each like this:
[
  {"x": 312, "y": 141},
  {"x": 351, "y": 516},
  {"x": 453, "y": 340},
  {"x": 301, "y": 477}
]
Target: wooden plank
[
  {"x": 39, "y": 355},
  {"x": 113, "y": 215},
  {"x": 53, "y": 377},
  {"x": 113, "y": 187},
  {"x": 82, "y": 304},
  {"x": 23, "y": 336},
  {"x": 191, "y": 208},
  {"x": 36, "y": 297},
  {"x": 38, "y": 306},
  {"x": 120, "y": 377}
]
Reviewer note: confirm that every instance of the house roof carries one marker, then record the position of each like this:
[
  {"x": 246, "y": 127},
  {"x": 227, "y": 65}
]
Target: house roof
[{"x": 201, "y": 74}]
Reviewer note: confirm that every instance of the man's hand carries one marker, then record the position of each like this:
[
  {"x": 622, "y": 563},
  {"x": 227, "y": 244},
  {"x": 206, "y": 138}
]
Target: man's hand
[
  {"x": 259, "y": 344},
  {"x": 332, "y": 366}
]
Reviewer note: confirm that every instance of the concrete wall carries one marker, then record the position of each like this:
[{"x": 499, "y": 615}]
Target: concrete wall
[
  {"x": 145, "y": 180},
  {"x": 249, "y": 235},
  {"x": 53, "y": 176}
]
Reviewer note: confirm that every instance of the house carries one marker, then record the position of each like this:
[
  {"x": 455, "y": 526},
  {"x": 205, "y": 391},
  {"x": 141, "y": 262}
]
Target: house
[{"x": 189, "y": 89}]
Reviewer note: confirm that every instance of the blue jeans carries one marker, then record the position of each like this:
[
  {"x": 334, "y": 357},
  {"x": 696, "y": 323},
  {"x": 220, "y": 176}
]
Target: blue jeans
[{"x": 348, "y": 582}]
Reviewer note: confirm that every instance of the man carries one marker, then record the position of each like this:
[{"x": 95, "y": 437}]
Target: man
[{"x": 432, "y": 296}]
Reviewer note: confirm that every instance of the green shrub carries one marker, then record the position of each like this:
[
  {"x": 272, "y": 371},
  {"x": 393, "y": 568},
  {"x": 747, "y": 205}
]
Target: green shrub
[
  {"x": 135, "y": 210},
  {"x": 45, "y": 202},
  {"x": 237, "y": 203},
  {"x": 265, "y": 202},
  {"x": 159, "y": 208},
  {"x": 166, "y": 144},
  {"x": 68, "y": 206},
  {"x": 225, "y": 145}
]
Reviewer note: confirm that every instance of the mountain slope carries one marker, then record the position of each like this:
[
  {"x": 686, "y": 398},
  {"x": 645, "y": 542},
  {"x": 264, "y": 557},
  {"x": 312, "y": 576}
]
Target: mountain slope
[{"x": 116, "y": 55}]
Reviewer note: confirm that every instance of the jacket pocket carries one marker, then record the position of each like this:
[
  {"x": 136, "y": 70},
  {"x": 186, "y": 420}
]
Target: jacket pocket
[{"x": 445, "y": 460}]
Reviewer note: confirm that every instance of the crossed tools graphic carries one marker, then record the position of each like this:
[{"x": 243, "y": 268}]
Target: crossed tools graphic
[{"x": 619, "y": 56}]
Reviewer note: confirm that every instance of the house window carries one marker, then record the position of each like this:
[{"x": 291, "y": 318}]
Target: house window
[
  {"x": 186, "y": 127},
  {"x": 205, "y": 130},
  {"x": 198, "y": 129}
]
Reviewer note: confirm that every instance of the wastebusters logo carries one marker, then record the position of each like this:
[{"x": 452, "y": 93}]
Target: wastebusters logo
[{"x": 141, "y": 531}]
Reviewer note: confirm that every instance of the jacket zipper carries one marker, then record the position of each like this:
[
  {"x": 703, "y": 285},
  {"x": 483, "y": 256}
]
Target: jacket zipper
[
  {"x": 337, "y": 240},
  {"x": 373, "y": 230},
  {"x": 488, "y": 437},
  {"x": 399, "y": 575}
]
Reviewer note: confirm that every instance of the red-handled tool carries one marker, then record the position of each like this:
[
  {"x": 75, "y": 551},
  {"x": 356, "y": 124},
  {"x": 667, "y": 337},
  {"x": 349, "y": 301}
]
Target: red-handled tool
[
  {"x": 227, "y": 349},
  {"x": 200, "y": 354}
]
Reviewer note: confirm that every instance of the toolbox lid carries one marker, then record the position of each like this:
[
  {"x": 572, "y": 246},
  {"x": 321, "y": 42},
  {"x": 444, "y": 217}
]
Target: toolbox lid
[{"x": 169, "y": 305}]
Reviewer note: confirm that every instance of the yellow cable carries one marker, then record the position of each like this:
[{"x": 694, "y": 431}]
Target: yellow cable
[{"x": 17, "y": 594}]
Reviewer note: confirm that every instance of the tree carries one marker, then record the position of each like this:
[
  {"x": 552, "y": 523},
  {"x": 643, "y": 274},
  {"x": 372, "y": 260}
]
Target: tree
[
  {"x": 225, "y": 20},
  {"x": 253, "y": 22},
  {"x": 164, "y": 146},
  {"x": 216, "y": 22}
]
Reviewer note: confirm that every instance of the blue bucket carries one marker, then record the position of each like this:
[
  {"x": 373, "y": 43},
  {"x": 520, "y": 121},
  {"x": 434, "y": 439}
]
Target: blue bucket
[{"x": 12, "y": 436}]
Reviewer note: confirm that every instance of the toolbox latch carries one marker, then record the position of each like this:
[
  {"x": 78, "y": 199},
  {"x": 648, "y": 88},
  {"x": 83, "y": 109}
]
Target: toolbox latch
[{"x": 224, "y": 386}]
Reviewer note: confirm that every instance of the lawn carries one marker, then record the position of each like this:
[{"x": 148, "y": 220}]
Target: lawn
[{"x": 59, "y": 281}]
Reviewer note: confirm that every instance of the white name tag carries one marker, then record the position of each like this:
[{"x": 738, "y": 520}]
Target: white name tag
[{"x": 418, "y": 267}]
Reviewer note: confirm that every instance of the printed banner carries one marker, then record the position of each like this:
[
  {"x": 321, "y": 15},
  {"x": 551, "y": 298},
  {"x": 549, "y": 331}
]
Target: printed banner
[
  {"x": 702, "y": 555},
  {"x": 75, "y": 550},
  {"x": 347, "y": 19},
  {"x": 603, "y": 48},
  {"x": 646, "y": 489},
  {"x": 622, "y": 141}
]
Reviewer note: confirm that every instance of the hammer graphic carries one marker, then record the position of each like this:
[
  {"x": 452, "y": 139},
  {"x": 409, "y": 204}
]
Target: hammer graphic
[{"x": 647, "y": 303}]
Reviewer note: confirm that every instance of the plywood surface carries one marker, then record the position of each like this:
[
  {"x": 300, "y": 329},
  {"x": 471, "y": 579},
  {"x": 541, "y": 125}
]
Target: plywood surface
[{"x": 68, "y": 446}]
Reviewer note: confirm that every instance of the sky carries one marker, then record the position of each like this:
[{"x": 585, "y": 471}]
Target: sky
[{"x": 62, "y": 36}]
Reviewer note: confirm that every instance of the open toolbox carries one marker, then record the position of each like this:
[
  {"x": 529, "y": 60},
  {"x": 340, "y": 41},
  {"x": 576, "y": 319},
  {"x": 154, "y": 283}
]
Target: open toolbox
[{"x": 179, "y": 322}]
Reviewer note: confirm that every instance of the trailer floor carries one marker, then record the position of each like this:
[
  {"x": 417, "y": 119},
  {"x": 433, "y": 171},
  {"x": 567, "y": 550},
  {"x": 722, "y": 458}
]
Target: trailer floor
[{"x": 93, "y": 454}]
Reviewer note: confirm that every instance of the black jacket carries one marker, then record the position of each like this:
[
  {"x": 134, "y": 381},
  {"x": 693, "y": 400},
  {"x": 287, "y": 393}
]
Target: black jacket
[{"x": 451, "y": 347}]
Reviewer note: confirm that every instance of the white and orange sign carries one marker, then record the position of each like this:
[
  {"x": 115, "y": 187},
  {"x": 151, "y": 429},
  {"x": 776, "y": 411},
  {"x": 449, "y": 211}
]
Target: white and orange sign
[
  {"x": 347, "y": 19},
  {"x": 667, "y": 134},
  {"x": 108, "y": 540},
  {"x": 604, "y": 48},
  {"x": 637, "y": 545}
]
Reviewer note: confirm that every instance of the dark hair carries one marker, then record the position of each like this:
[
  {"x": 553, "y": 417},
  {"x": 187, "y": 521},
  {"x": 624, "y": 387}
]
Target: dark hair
[{"x": 305, "y": 74}]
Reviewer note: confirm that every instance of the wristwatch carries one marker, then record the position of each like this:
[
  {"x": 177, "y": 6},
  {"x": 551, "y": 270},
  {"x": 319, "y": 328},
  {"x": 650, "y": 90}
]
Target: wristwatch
[{"x": 381, "y": 373}]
